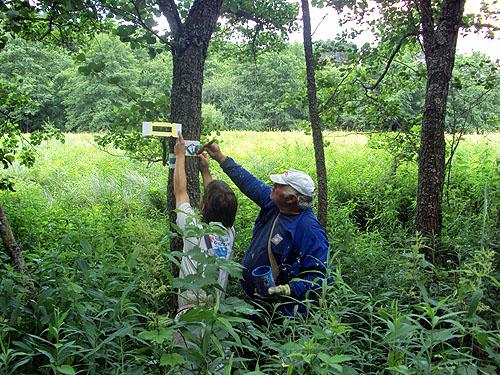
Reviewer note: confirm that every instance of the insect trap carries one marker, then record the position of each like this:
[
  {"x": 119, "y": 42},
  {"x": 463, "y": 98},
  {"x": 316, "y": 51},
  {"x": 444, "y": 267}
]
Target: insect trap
[
  {"x": 161, "y": 129},
  {"x": 169, "y": 129}
]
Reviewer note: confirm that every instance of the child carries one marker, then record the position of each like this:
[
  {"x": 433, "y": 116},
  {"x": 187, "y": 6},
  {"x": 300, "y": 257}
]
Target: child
[{"x": 219, "y": 204}]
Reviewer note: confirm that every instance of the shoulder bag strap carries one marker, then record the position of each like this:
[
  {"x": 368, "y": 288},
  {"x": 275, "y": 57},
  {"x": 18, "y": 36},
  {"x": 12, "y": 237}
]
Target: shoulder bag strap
[{"x": 272, "y": 258}]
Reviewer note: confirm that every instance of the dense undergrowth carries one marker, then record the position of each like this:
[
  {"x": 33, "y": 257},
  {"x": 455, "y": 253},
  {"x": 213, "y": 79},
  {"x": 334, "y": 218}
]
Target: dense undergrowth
[{"x": 94, "y": 230}]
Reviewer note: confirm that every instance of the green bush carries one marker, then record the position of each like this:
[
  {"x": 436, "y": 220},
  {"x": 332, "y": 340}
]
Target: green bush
[{"x": 91, "y": 227}]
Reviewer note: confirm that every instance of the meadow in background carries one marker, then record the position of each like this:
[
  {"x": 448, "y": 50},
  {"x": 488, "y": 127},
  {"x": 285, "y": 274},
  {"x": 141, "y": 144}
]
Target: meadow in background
[{"x": 92, "y": 226}]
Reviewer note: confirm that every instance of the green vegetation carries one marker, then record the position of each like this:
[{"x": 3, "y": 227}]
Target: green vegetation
[
  {"x": 116, "y": 87},
  {"x": 94, "y": 230},
  {"x": 96, "y": 293}
]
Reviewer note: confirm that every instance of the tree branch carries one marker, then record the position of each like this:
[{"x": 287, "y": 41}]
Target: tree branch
[
  {"x": 137, "y": 19},
  {"x": 14, "y": 251},
  {"x": 330, "y": 99},
  {"x": 137, "y": 157},
  {"x": 425, "y": 10},
  {"x": 389, "y": 62},
  {"x": 245, "y": 15},
  {"x": 488, "y": 26},
  {"x": 171, "y": 13}
]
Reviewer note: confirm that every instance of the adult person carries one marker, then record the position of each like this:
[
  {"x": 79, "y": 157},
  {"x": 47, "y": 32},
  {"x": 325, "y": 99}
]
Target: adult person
[
  {"x": 286, "y": 229},
  {"x": 218, "y": 204}
]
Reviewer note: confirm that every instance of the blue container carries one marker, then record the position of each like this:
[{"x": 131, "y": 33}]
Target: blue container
[{"x": 264, "y": 279}]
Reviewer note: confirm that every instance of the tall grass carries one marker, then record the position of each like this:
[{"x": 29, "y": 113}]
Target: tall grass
[{"x": 91, "y": 226}]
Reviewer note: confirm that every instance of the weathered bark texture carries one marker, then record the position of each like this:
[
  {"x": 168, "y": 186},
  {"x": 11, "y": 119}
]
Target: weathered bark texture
[
  {"x": 189, "y": 52},
  {"x": 439, "y": 40},
  {"x": 319, "y": 151},
  {"x": 13, "y": 249}
]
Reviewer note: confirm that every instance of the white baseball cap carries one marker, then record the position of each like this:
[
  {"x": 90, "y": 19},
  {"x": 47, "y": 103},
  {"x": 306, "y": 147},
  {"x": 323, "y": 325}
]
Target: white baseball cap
[{"x": 299, "y": 180}]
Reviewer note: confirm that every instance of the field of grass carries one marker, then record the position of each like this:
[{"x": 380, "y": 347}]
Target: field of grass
[{"x": 94, "y": 230}]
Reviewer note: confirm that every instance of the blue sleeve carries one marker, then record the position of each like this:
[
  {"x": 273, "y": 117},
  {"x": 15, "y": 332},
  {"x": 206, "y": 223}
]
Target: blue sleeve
[
  {"x": 314, "y": 262},
  {"x": 249, "y": 185}
]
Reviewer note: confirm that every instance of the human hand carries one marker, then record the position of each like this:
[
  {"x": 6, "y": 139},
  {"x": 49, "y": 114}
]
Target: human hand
[
  {"x": 204, "y": 162},
  {"x": 274, "y": 293},
  {"x": 280, "y": 290},
  {"x": 265, "y": 297},
  {"x": 214, "y": 151},
  {"x": 180, "y": 146}
]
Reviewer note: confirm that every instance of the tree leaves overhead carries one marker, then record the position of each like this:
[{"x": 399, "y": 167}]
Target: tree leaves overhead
[
  {"x": 257, "y": 25},
  {"x": 71, "y": 23},
  {"x": 65, "y": 23}
]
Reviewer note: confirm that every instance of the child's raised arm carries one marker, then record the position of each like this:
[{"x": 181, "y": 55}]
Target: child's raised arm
[{"x": 180, "y": 189}]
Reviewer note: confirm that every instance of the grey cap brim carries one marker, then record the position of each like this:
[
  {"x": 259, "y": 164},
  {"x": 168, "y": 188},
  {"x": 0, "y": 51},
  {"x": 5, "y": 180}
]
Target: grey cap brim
[{"x": 278, "y": 179}]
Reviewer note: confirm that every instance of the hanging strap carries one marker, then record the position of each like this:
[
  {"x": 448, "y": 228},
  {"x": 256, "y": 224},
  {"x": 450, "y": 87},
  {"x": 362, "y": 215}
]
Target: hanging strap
[{"x": 272, "y": 258}]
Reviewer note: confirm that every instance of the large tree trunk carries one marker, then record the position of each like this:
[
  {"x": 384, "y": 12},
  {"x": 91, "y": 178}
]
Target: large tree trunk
[
  {"x": 189, "y": 52},
  {"x": 319, "y": 151},
  {"x": 439, "y": 46},
  {"x": 13, "y": 249}
]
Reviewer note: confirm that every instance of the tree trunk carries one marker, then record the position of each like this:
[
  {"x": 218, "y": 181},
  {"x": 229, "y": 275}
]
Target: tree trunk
[
  {"x": 439, "y": 46},
  {"x": 189, "y": 52},
  {"x": 13, "y": 249},
  {"x": 319, "y": 151}
]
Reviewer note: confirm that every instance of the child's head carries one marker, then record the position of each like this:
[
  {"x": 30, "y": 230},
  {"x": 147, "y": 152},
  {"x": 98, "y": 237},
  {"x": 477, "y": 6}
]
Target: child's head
[{"x": 219, "y": 203}]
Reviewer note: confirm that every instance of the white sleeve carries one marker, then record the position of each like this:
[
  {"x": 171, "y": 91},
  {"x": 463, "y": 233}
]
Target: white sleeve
[{"x": 185, "y": 210}]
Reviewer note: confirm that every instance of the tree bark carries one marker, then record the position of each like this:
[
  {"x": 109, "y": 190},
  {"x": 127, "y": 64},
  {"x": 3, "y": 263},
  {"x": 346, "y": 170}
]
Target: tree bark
[
  {"x": 439, "y": 40},
  {"x": 189, "y": 52},
  {"x": 13, "y": 249},
  {"x": 316, "y": 127}
]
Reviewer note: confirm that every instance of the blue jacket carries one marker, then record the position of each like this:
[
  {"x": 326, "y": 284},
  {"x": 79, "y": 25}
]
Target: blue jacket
[{"x": 306, "y": 250}]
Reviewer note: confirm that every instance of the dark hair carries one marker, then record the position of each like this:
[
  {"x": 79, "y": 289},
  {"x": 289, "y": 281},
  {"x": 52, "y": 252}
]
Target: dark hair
[{"x": 220, "y": 203}]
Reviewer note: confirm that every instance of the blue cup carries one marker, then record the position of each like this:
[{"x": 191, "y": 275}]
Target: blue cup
[{"x": 264, "y": 279}]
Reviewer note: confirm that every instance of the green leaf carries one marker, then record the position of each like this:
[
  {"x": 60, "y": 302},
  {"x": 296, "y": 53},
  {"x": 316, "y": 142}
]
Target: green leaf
[
  {"x": 66, "y": 369},
  {"x": 125, "y": 30},
  {"x": 227, "y": 370},
  {"x": 114, "y": 81},
  {"x": 196, "y": 314},
  {"x": 331, "y": 360},
  {"x": 495, "y": 281},
  {"x": 86, "y": 246},
  {"x": 47, "y": 354},
  {"x": 171, "y": 359},
  {"x": 132, "y": 258},
  {"x": 52, "y": 330},
  {"x": 403, "y": 331},
  {"x": 482, "y": 338},
  {"x": 84, "y": 69},
  {"x": 120, "y": 333},
  {"x": 84, "y": 266},
  {"x": 156, "y": 336},
  {"x": 476, "y": 298},
  {"x": 291, "y": 347},
  {"x": 80, "y": 57},
  {"x": 444, "y": 335},
  {"x": 99, "y": 67},
  {"x": 233, "y": 333},
  {"x": 74, "y": 287},
  {"x": 150, "y": 39}
]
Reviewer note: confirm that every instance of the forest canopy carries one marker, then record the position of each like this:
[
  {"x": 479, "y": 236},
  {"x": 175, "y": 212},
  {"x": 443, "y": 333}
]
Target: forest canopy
[{"x": 266, "y": 93}]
